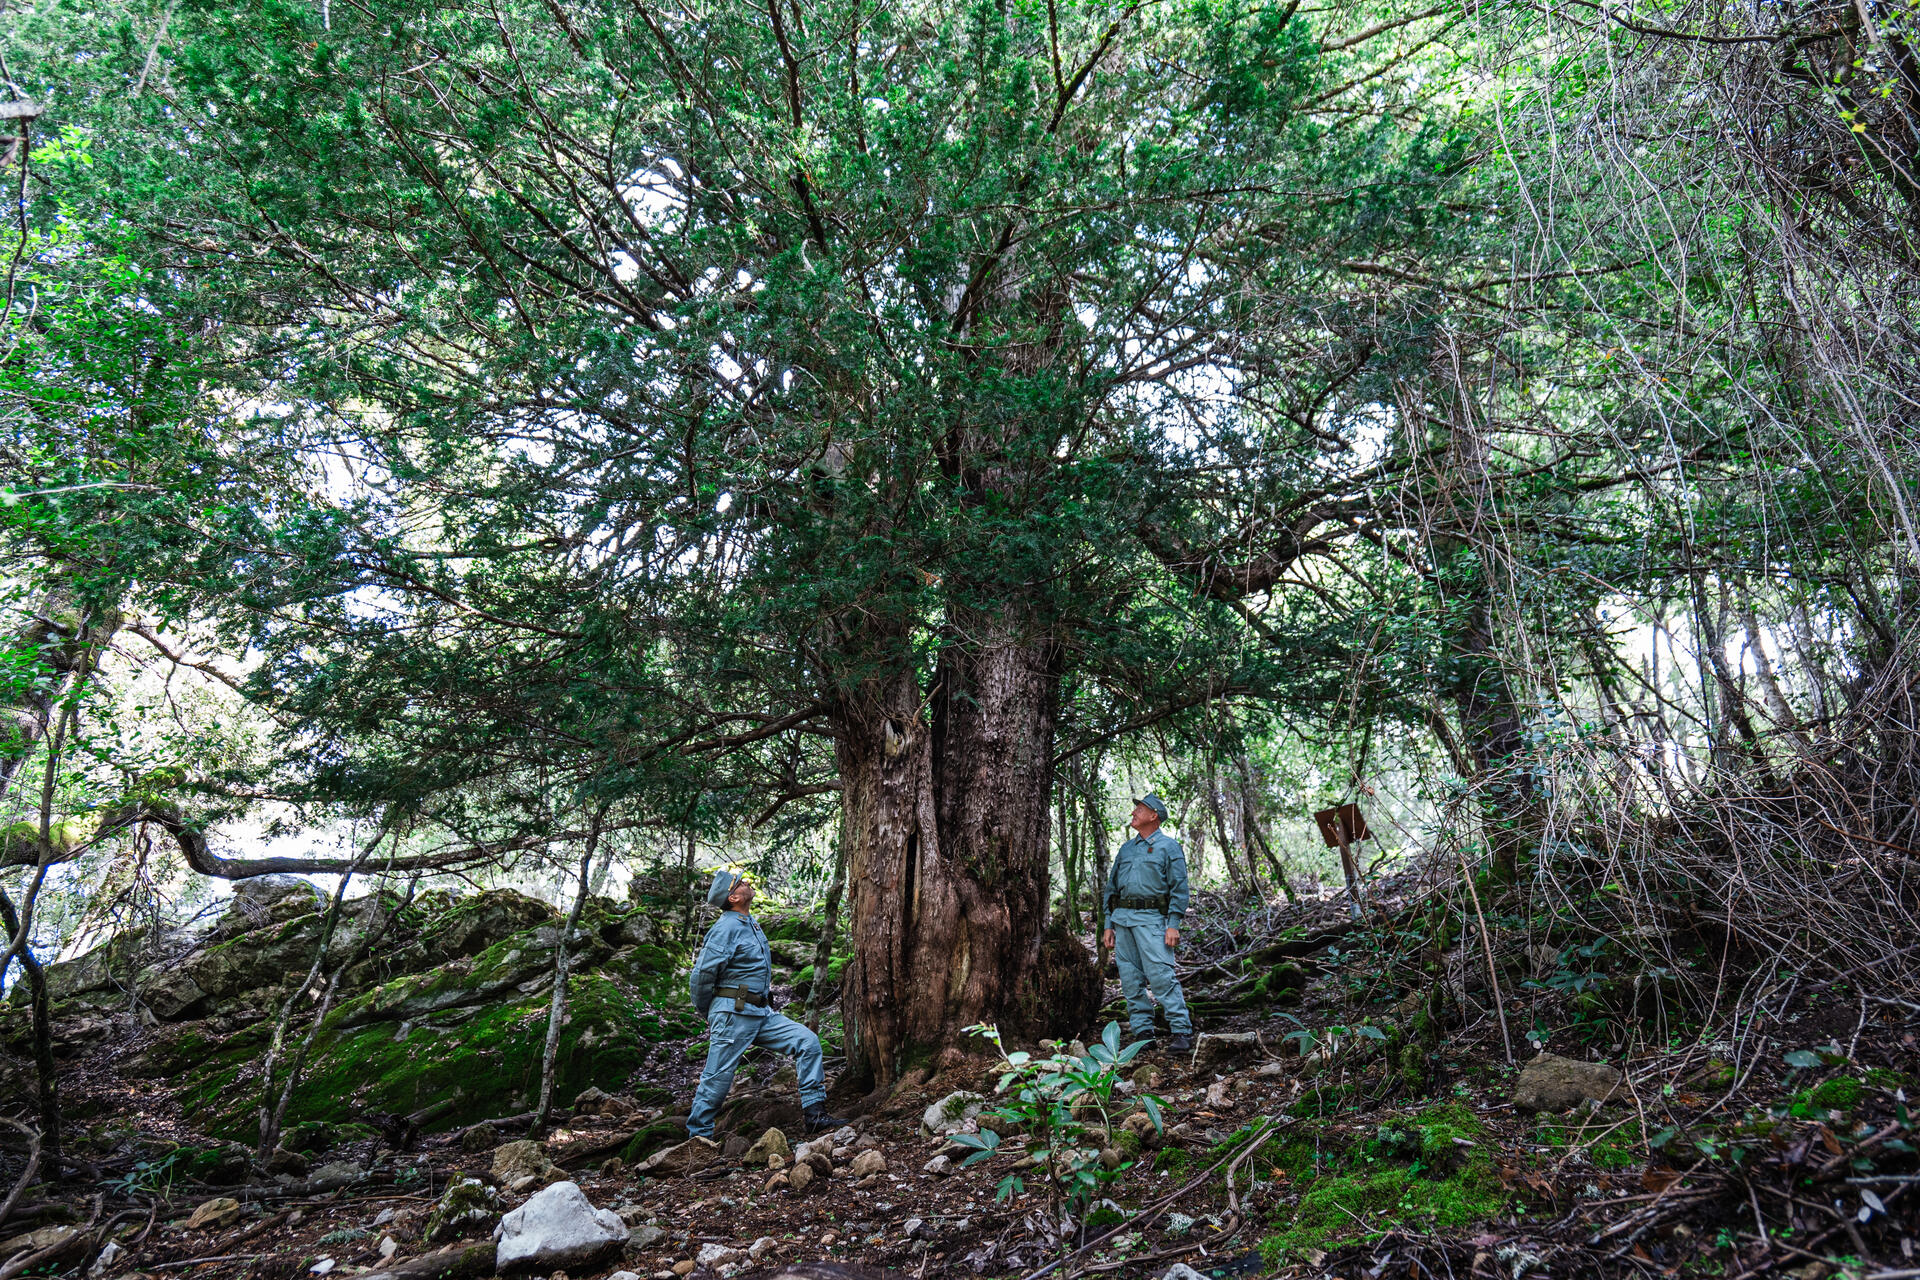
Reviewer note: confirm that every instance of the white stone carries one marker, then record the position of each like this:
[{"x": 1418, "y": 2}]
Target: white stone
[
  {"x": 939, "y": 1167},
  {"x": 558, "y": 1228},
  {"x": 1178, "y": 1224},
  {"x": 713, "y": 1255},
  {"x": 1181, "y": 1271},
  {"x": 845, "y": 1136},
  {"x": 108, "y": 1259},
  {"x": 627, "y": 1275},
  {"x": 951, "y": 1113},
  {"x": 321, "y": 1267},
  {"x": 382, "y": 1218},
  {"x": 761, "y": 1248},
  {"x": 388, "y": 1247},
  {"x": 647, "y": 1235}
]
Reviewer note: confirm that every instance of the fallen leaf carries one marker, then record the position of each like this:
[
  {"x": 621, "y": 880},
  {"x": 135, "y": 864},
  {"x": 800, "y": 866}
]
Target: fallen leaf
[{"x": 1659, "y": 1179}]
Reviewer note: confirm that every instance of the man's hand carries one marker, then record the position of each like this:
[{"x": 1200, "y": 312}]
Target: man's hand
[
  {"x": 1173, "y": 937},
  {"x": 1106, "y": 939}
]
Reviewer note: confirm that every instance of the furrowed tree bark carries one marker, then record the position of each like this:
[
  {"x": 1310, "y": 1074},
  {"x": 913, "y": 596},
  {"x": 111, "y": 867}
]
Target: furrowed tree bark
[
  {"x": 946, "y": 814},
  {"x": 823, "y": 949}
]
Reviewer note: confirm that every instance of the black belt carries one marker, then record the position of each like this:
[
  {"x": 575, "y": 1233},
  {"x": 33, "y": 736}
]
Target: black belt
[
  {"x": 744, "y": 996},
  {"x": 1141, "y": 904}
]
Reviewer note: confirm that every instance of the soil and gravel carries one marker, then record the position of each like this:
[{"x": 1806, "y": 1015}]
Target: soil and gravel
[{"x": 1359, "y": 1108}]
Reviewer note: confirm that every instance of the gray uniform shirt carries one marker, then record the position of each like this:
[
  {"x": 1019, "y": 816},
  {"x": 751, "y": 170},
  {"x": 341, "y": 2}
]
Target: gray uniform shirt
[
  {"x": 1153, "y": 867},
  {"x": 735, "y": 954}
]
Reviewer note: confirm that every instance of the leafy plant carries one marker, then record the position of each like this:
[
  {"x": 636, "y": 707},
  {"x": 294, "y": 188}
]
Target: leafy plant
[
  {"x": 148, "y": 1175},
  {"x": 1052, "y": 1098}
]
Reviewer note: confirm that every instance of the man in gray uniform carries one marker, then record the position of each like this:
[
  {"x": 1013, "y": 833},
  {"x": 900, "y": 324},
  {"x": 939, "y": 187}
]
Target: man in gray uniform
[
  {"x": 1146, "y": 904},
  {"x": 729, "y": 985}
]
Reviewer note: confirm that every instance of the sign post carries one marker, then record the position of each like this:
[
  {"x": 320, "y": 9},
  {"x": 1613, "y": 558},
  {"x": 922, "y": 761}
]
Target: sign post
[{"x": 1340, "y": 827}]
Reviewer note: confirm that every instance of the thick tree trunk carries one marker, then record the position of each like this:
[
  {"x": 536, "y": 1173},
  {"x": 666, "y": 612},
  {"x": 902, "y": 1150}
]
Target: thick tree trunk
[
  {"x": 823, "y": 950},
  {"x": 947, "y": 841}
]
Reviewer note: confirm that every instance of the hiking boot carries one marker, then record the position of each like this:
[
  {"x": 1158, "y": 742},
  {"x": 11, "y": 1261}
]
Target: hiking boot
[
  {"x": 818, "y": 1121},
  {"x": 1180, "y": 1042}
]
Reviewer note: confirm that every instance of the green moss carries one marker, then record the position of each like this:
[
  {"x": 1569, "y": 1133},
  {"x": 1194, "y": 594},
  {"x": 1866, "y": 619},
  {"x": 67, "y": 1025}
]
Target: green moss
[
  {"x": 309, "y": 1138},
  {"x": 836, "y": 966},
  {"x": 1839, "y": 1094},
  {"x": 1280, "y": 980},
  {"x": 487, "y": 1065},
  {"x": 1322, "y": 1100},
  {"x": 798, "y": 928},
  {"x": 1172, "y": 1160},
  {"x": 665, "y": 1133},
  {"x": 1386, "y": 1184},
  {"x": 1883, "y": 1078},
  {"x": 1607, "y": 1146}
]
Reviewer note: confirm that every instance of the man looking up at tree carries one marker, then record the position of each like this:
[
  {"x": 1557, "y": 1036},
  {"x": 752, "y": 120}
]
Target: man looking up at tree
[
  {"x": 1146, "y": 904},
  {"x": 730, "y": 986}
]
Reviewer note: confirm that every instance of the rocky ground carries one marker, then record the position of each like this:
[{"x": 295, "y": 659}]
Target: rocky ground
[{"x": 1351, "y": 1111}]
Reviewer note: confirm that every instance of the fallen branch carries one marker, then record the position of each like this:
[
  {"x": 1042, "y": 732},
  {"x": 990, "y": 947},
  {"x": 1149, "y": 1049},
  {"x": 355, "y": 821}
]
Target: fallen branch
[
  {"x": 1252, "y": 1144},
  {"x": 454, "y": 1264},
  {"x": 26, "y": 1175}
]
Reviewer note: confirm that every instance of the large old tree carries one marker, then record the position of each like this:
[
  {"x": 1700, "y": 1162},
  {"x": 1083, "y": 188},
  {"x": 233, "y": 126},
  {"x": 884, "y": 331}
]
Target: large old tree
[{"x": 712, "y": 381}]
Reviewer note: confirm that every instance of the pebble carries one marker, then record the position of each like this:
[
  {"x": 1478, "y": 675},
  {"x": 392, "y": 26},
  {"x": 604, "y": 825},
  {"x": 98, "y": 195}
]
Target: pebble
[{"x": 683, "y": 1267}]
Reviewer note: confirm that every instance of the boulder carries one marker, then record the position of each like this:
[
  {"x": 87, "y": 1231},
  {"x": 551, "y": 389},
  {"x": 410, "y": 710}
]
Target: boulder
[
  {"x": 513, "y": 1161},
  {"x": 1553, "y": 1083},
  {"x": 291, "y": 1163},
  {"x": 951, "y": 1114},
  {"x": 1144, "y": 1130},
  {"x": 767, "y": 1147},
  {"x": 46, "y": 1237},
  {"x": 1225, "y": 1047},
  {"x": 687, "y": 1157},
  {"x": 215, "y": 1215},
  {"x": 868, "y": 1163},
  {"x": 337, "y": 1173},
  {"x": 468, "y": 1208},
  {"x": 557, "y": 1228},
  {"x": 652, "y": 1138},
  {"x": 595, "y": 1101}
]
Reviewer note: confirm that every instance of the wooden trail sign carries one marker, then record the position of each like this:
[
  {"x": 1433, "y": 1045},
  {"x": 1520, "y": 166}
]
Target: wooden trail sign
[{"x": 1340, "y": 827}]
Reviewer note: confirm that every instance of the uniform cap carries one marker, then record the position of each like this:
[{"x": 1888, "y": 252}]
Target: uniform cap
[
  {"x": 723, "y": 882},
  {"x": 1154, "y": 803}
]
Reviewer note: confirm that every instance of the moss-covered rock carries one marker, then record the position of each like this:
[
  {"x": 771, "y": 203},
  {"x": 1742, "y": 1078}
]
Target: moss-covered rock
[
  {"x": 654, "y": 1137},
  {"x": 469, "y": 1208}
]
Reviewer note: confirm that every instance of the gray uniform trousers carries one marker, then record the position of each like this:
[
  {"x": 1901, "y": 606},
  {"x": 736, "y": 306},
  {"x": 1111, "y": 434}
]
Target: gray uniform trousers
[
  {"x": 1146, "y": 964},
  {"x": 730, "y": 1035}
]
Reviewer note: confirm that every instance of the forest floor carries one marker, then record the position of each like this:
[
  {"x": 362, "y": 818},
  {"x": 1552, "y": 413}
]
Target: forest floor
[{"x": 1372, "y": 1154}]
